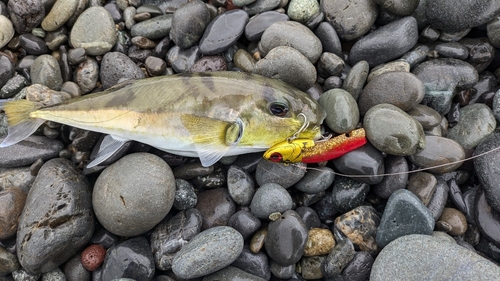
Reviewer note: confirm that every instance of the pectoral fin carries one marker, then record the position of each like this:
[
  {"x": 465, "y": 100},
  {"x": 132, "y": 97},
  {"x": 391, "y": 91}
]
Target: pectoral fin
[
  {"x": 212, "y": 138},
  {"x": 109, "y": 146}
]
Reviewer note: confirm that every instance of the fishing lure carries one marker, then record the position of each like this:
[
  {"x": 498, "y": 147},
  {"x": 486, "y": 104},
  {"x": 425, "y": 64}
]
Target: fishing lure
[{"x": 310, "y": 151}]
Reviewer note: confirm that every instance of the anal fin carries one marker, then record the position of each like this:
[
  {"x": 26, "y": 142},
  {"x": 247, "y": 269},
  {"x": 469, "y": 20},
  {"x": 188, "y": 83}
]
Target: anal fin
[
  {"x": 21, "y": 131},
  {"x": 109, "y": 146}
]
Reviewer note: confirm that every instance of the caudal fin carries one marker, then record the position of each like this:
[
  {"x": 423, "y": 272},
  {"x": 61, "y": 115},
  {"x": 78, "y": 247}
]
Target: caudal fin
[{"x": 21, "y": 125}]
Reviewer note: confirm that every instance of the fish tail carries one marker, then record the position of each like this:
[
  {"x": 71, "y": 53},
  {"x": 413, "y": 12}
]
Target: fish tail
[{"x": 21, "y": 124}]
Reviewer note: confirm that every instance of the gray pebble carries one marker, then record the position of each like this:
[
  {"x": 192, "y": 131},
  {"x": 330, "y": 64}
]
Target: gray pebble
[
  {"x": 342, "y": 114},
  {"x": 351, "y": 19},
  {"x": 230, "y": 273},
  {"x": 185, "y": 196},
  {"x": 26, "y": 14},
  {"x": 330, "y": 65},
  {"x": 438, "y": 201},
  {"x": 16, "y": 177},
  {"x": 426, "y": 116},
  {"x": 155, "y": 28},
  {"x": 356, "y": 79},
  {"x": 60, "y": 13},
  {"x": 487, "y": 168},
  {"x": 22, "y": 275},
  {"x": 28, "y": 151},
  {"x": 94, "y": 30},
  {"x": 348, "y": 193},
  {"x": 116, "y": 66},
  {"x": 302, "y": 10},
  {"x": 399, "y": 7},
  {"x": 223, "y": 32},
  {"x": 244, "y": 60},
  {"x": 329, "y": 38},
  {"x": 393, "y": 165},
  {"x": 9, "y": 262},
  {"x": 416, "y": 56},
  {"x": 215, "y": 248},
  {"x": 284, "y": 175},
  {"x": 54, "y": 275},
  {"x": 316, "y": 180},
  {"x": 188, "y": 24},
  {"x": 183, "y": 60},
  {"x": 240, "y": 185},
  {"x": 74, "y": 270},
  {"x": 6, "y": 31},
  {"x": 245, "y": 223},
  {"x": 452, "y": 50},
  {"x": 393, "y": 66},
  {"x": 260, "y": 6},
  {"x": 338, "y": 258},
  {"x": 270, "y": 198},
  {"x": 437, "y": 151},
  {"x": 289, "y": 65},
  {"x": 126, "y": 201},
  {"x": 475, "y": 124},
  {"x": 259, "y": 23},
  {"x": 365, "y": 160},
  {"x": 492, "y": 30},
  {"x": 87, "y": 74},
  {"x": 45, "y": 70},
  {"x": 13, "y": 86}
]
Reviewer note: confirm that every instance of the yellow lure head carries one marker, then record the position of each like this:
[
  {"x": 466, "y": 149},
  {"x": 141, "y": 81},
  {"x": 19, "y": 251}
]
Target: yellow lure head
[{"x": 289, "y": 151}]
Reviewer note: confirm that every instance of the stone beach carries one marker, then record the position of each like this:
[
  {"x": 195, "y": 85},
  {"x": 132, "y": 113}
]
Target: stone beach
[{"x": 421, "y": 76}]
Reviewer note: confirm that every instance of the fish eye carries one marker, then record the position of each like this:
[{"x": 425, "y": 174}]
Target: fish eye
[
  {"x": 279, "y": 109},
  {"x": 276, "y": 157}
]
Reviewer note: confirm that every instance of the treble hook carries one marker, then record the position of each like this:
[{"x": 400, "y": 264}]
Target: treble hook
[{"x": 302, "y": 128}]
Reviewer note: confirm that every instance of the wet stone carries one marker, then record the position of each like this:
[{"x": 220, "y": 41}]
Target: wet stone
[
  {"x": 254, "y": 263},
  {"x": 348, "y": 193},
  {"x": 417, "y": 55},
  {"x": 360, "y": 226},
  {"x": 316, "y": 180},
  {"x": 356, "y": 79},
  {"x": 260, "y": 6},
  {"x": 404, "y": 214},
  {"x": 487, "y": 169},
  {"x": 94, "y": 30},
  {"x": 216, "y": 207},
  {"x": 320, "y": 242},
  {"x": 365, "y": 160},
  {"x": 45, "y": 70},
  {"x": 185, "y": 195},
  {"x": 309, "y": 216},
  {"x": 116, "y": 66},
  {"x": 286, "y": 238},
  {"x": 188, "y": 24},
  {"x": 104, "y": 237},
  {"x": 426, "y": 116},
  {"x": 241, "y": 185},
  {"x": 330, "y": 65},
  {"x": 342, "y": 114},
  {"x": 423, "y": 185},
  {"x": 475, "y": 124},
  {"x": 154, "y": 28},
  {"x": 338, "y": 258},
  {"x": 183, "y": 60},
  {"x": 270, "y": 198},
  {"x": 393, "y": 131},
  {"x": 329, "y": 38},
  {"x": 87, "y": 74},
  {"x": 129, "y": 259},
  {"x": 12, "y": 201},
  {"x": 486, "y": 217},
  {"x": 284, "y": 175},
  {"x": 302, "y": 10},
  {"x": 437, "y": 151},
  {"x": 452, "y": 221},
  {"x": 393, "y": 66},
  {"x": 256, "y": 25},
  {"x": 281, "y": 271},
  {"x": 393, "y": 165},
  {"x": 126, "y": 210},
  {"x": 231, "y": 273},
  {"x": 218, "y": 37},
  {"x": 215, "y": 248},
  {"x": 346, "y": 18},
  {"x": 13, "y": 86},
  {"x": 28, "y": 151},
  {"x": 310, "y": 267},
  {"x": 308, "y": 199},
  {"x": 32, "y": 44},
  {"x": 401, "y": 89},
  {"x": 245, "y": 223},
  {"x": 66, "y": 216},
  {"x": 170, "y": 236},
  {"x": 438, "y": 201},
  {"x": 7, "y": 69},
  {"x": 7, "y": 30},
  {"x": 452, "y": 50},
  {"x": 359, "y": 267},
  {"x": 26, "y": 15}
]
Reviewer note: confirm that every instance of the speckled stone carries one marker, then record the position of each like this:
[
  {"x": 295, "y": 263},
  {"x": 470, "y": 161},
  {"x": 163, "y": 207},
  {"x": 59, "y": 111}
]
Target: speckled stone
[
  {"x": 188, "y": 23},
  {"x": 28, "y": 151},
  {"x": 350, "y": 19},
  {"x": 342, "y": 114},
  {"x": 12, "y": 201},
  {"x": 241, "y": 185},
  {"x": 45, "y": 70},
  {"x": 26, "y": 14},
  {"x": 94, "y": 30},
  {"x": 338, "y": 258},
  {"x": 488, "y": 170},
  {"x": 185, "y": 195},
  {"x": 360, "y": 226},
  {"x": 348, "y": 193},
  {"x": 475, "y": 124},
  {"x": 284, "y": 175},
  {"x": 116, "y": 66},
  {"x": 320, "y": 241},
  {"x": 316, "y": 180},
  {"x": 302, "y": 10}
]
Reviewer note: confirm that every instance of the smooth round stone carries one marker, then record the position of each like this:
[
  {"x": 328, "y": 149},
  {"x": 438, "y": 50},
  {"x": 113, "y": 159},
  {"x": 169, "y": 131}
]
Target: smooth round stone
[
  {"x": 245, "y": 222},
  {"x": 416, "y": 56},
  {"x": 74, "y": 270},
  {"x": 302, "y": 10},
  {"x": 284, "y": 175},
  {"x": 94, "y": 30},
  {"x": 350, "y": 19},
  {"x": 423, "y": 185},
  {"x": 168, "y": 237},
  {"x": 452, "y": 221},
  {"x": 13, "y": 86},
  {"x": 309, "y": 216},
  {"x": 291, "y": 34},
  {"x": 244, "y": 60},
  {"x": 348, "y": 193},
  {"x": 87, "y": 74},
  {"x": 310, "y": 267},
  {"x": 183, "y": 60},
  {"x": 128, "y": 15},
  {"x": 386, "y": 43},
  {"x": 44, "y": 95},
  {"x": 260, "y": 6},
  {"x": 154, "y": 28},
  {"x": 232, "y": 273},
  {"x": 188, "y": 23},
  {"x": 338, "y": 258},
  {"x": 329, "y": 38},
  {"x": 257, "y": 24},
  {"x": 116, "y": 66},
  {"x": 289, "y": 65},
  {"x": 280, "y": 271},
  {"x": 400, "y": 7},
  {"x": 330, "y": 65},
  {"x": 185, "y": 195},
  {"x": 270, "y": 198},
  {"x": 359, "y": 267},
  {"x": 393, "y": 66},
  {"x": 129, "y": 259},
  {"x": 398, "y": 166},
  {"x": 356, "y": 79},
  {"x": 393, "y": 131},
  {"x": 60, "y": 13},
  {"x": 320, "y": 241},
  {"x": 240, "y": 185},
  {"x": 12, "y": 201},
  {"x": 67, "y": 218},
  {"x": 492, "y": 30},
  {"x": 316, "y": 180},
  {"x": 215, "y": 248},
  {"x": 452, "y": 50},
  {"x": 26, "y": 14},
  {"x": 216, "y": 207},
  {"x": 29, "y": 150},
  {"x": 6, "y": 31},
  {"x": 45, "y": 70},
  {"x": 401, "y": 89},
  {"x": 439, "y": 151},
  {"x": 123, "y": 208},
  {"x": 458, "y": 15},
  {"x": 403, "y": 215},
  {"x": 425, "y": 257},
  {"x": 210, "y": 63},
  {"x": 7, "y": 69},
  {"x": 115, "y": 11},
  {"x": 365, "y": 161},
  {"x": 360, "y": 226},
  {"x": 426, "y": 116},
  {"x": 342, "y": 114},
  {"x": 438, "y": 201},
  {"x": 488, "y": 169},
  {"x": 218, "y": 37},
  {"x": 256, "y": 264},
  {"x": 155, "y": 66},
  {"x": 32, "y": 44},
  {"x": 308, "y": 199},
  {"x": 286, "y": 238},
  {"x": 475, "y": 124},
  {"x": 487, "y": 218}
]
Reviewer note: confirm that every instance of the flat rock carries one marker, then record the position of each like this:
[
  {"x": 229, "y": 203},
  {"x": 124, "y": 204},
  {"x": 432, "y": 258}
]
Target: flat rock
[
  {"x": 223, "y": 32},
  {"x": 437, "y": 151},
  {"x": 28, "y": 151},
  {"x": 488, "y": 169},
  {"x": 475, "y": 124}
]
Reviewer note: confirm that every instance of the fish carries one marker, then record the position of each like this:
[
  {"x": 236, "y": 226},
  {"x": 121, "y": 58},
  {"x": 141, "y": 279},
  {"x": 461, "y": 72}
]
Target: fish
[
  {"x": 205, "y": 115},
  {"x": 311, "y": 151}
]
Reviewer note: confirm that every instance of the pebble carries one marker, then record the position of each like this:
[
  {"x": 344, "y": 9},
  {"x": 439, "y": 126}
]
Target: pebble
[
  {"x": 21, "y": 178},
  {"x": 393, "y": 66},
  {"x": 256, "y": 264},
  {"x": 342, "y": 114},
  {"x": 359, "y": 267},
  {"x": 209, "y": 63},
  {"x": 8, "y": 262},
  {"x": 169, "y": 236},
  {"x": 438, "y": 151},
  {"x": 403, "y": 215},
  {"x": 365, "y": 160},
  {"x": 487, "y": 168},
  {"x": 423, "y": 185},
  {"x": 356, "y": 79},
  {"x": 310, "y": 267},
  {"x": 229, "y": 273},
  {"x": 399, "y": 8},
  {"x": 185, "y": 195},
  {"x": 288, "y": 65},
  {"x": 33, "y": 45},
  {"x": 476, "y": 123},
  {"x": 270, "y": 198},
  {"x": 393, "y": 131},
  {"x": 26, "y": 14},
  {"x": 316, "y": 180},
  {"x": 425, "y": 257},
  {"x": 291, "y": 34},
  {"x": 346, "y": 19},
  {"x": 215, "y": 248},
  {"x": 12, "y": 201},
  {"x": 87, "y": 74},
  {"x": 338, "y": 258},
  {"x": 245, "y": 223},
  {"x": 188, "y": 24},
  {"x": 154, "y": 28},
  {"x": 52, "y": 230},
  {"x": 452, "y": 221},
  {"x": 241, "y": 185},
  {"x": 93, "y": 257},
  {"x": 60, "y": 13},
  {"x": 216, "y": 207},
  {"x": 13, "y": 86},
  {"x": 116, "y": 66},
  {"x": 398, "y": 166},
  {"x": 7, "y": 31},
  {"x": 183, "y": 60},
  {"x": 426, "y": 116},
  {"x": 7, "y": 69},
  {"x": 284, "y": 175},
  {"x": 348, "y": 193},
  {"x": 94, "y": 30},
  {"x": 218, "y": 37},
  {"x": 260, "y": 6},
  {"x": 452, "y": 50},
  {"x": 320, "y": 242},
  {"x": 401, "y": 89},
  {"x": 386, "y": 43},
  {"x": 131, "y": 258},
  {"x": 438, "y": 201},
  {"x": 486, "y": 217},
  {"x": 45, "y": 70},
  {"x": 360, "y": 226},
  {"x": 259, "y": 23},
  {"x": 28, "y": 151},
  {"x": 286, "y": 238},
  {"x": 134, "y": 194},
  {"x": 302, "y": 10}
]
